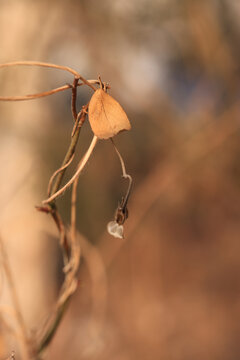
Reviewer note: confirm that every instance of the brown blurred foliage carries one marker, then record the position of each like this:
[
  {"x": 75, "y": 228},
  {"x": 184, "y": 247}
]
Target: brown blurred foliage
[{"x": 170, "y": 290}]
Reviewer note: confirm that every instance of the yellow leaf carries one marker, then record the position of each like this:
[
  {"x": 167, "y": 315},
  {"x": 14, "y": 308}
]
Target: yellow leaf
[{"x": 106, "y": 116}]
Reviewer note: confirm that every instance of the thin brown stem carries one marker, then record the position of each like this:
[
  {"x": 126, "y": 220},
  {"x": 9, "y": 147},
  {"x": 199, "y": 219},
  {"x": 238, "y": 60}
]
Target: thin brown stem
[
  {"x": 81, "y": 116},
  {"x": 73, "y": 211},
  {"x": 71, "y": 149},
  {"x": 70, "y": 283},
  {"x": 57, "y": 172},
  {"x": 41, "y": 64},
  {"x": 35, "y": 96},
  {"x": 63, "y": 236},
  {"x": 47, "y": 337},
  {"x": 44, "y": 93},
  {"x": 47, "y": 65},
  {"x": 126, "y": 176},
  {"x": 75, "y": 246},
  {"x": 120, "y": 158},
  {"x": 74, "y": 98},
  {"x": 66, "y": 159},
  {"x": 81, "y": 166}
]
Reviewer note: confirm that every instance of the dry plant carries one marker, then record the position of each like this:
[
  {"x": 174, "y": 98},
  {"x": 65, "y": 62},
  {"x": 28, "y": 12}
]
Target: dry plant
[{"x": 107, "y": 118}]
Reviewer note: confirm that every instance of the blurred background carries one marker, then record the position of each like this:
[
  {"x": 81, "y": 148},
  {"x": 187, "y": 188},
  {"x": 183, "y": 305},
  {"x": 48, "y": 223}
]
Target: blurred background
[{"x": 171, "y": 289}]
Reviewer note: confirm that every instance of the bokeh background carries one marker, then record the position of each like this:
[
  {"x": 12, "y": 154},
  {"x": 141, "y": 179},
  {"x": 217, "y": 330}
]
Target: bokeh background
[{"x": 171, "y": 289}]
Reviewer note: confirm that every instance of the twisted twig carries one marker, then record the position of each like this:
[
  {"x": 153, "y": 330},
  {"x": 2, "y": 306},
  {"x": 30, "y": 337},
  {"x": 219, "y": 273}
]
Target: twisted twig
[{"x": 81, "y": 166}]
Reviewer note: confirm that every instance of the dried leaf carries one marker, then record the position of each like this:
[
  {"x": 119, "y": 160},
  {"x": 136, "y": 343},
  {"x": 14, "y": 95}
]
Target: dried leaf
[{"x": 106, "y": 116}]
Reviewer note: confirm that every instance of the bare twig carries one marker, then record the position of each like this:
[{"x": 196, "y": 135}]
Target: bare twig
[
  {"x": 81, "y": 166},
  {"x": 77, "y": 77},
  {"x": 57, "y": 317},
  {"x": 63, "y": 236},
  {"x": 70, "y": 249},
  {"x": 74, "y": 97},
  {"x": 57, "y": 172},
  {"x": 48, "y": 65},
  {"x": 122, "y": 212},
  {"x": 42, "y": 94},
  {"x": 71, "y": 149},
  {"x": 73, "y": 213},
  {"x": 72, "y": 255},
  {"x": 124, "y": 173},
  {"x": 70, "y": 283},
  {"x": 35, "y": 96},
  {"x": 81, "y": 116}
]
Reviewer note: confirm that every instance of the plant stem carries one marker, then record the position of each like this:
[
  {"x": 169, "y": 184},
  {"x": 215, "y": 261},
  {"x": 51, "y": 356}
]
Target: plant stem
[
  {"x": 67, "y": 157},
  {"x": 52, "y": 330},
  {"x": 48, "y": 65},
  {"x": 81, "y": 165}
]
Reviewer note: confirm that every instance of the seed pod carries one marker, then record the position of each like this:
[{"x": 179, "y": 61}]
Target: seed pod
[
  {"x": 106, "y": 116},
  {"x": 115, "y": 229}
]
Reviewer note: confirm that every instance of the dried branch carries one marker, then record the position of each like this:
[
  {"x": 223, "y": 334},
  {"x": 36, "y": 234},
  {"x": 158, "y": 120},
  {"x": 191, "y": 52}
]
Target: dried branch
[
  {"x": 70, "y": 249},
  {"x": 44, "y": 93},
  {"x": 71, "y": 149},
  {"x": 74, "y": 97},
  {"x": 35, "y": 96},
  {"x": 81, "y": 166},
  {"x": 71, "y": 254},
  {"x": 57, "y": 172},
  {"x": 73, "y": 214},
  {"x": 115, "y": 228},
  {"x": 70, "y": 283},
  {"x": 48, "y": 65},
  {"x": 125, "y": 175},
  {"x": 77, "y": 77}
]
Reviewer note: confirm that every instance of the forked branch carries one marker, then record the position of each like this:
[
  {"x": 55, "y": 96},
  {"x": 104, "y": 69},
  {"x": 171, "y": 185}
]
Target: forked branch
[{"x": 115, "y": 120}]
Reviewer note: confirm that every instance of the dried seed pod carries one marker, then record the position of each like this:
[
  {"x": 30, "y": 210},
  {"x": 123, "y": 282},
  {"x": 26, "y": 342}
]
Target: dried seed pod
[
  {"x": 115, "y": 229},
  {"x": 106, "y": 116}
]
